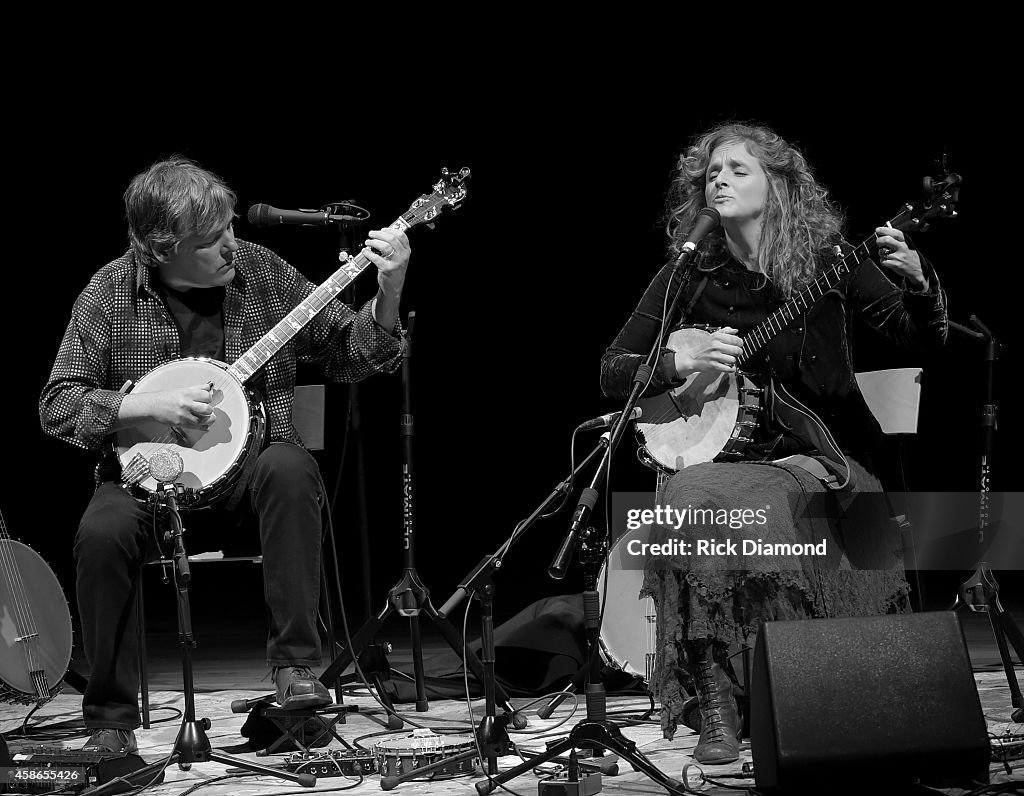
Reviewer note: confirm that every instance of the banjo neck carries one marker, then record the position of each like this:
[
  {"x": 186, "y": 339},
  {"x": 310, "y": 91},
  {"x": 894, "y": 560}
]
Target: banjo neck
[
  {"x": 449, "y": 191},
  {"x": 247, "y": 365},
  {"x": 759, "y": 337},
  {"x": 910, "y": 217}
]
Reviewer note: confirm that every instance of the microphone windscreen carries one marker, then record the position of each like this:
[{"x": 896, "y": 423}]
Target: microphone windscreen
[
  {"x": 165, "y": 465},
  {"x": 258, "y": 214},
  {"x": 708, "y": 219}
]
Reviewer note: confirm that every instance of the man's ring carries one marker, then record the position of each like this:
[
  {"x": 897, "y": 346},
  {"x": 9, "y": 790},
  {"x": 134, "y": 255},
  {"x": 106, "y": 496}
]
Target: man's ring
[{"x": 390, "y": 254}]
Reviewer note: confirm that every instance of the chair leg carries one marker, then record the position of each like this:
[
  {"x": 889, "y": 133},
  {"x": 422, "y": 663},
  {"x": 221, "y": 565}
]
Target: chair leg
[{"x": 143, "y": 674}]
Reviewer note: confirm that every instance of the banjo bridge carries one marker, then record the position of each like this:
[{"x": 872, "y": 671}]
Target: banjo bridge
[{"x": 180, "y": 437}]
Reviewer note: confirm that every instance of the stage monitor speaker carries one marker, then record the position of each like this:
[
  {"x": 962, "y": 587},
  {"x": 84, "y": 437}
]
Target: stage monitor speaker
[{"x": 868, "y": 703}]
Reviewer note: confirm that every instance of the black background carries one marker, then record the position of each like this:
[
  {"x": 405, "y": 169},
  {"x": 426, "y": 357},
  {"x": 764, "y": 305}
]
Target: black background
[{"x": 516, "y": 293}]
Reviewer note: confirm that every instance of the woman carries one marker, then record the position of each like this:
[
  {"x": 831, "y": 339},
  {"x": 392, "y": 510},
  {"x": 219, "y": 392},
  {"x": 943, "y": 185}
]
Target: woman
[{"x": 778, "y": 233}]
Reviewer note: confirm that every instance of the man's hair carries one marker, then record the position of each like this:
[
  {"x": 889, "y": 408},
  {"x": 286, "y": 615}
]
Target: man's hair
[
  {"x": 172, "y": 200},
  {"x": 800, "y": 221}
]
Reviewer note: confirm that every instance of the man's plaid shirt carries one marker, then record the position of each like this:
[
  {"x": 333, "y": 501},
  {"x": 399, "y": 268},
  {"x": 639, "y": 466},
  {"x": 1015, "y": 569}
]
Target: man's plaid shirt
[{"x": 120, "y": 329}]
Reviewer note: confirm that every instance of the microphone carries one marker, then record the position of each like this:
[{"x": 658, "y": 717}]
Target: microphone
[
  {"x": 604, "y": 421},
  {"x": 263, "y": 215},
  {"x": 707, "y": 221},
  {"x": 165, "y": 465},
  {"x": 560, "y": 563}
]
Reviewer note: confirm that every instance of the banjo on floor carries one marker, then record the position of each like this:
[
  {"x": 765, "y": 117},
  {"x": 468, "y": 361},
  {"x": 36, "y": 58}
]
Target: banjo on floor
[
  {"x": 712, "y": 415},
  {"x": 35, "y": 625},
  {"x": 206, "y": 463}
]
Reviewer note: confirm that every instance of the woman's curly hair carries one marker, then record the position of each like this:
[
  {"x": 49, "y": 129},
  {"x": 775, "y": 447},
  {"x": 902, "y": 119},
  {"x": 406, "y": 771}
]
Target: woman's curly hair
[{"x": 799, "y": 222}]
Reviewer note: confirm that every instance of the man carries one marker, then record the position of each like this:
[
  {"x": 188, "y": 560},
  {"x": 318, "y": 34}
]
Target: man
[{"x": 188, "y": 287}]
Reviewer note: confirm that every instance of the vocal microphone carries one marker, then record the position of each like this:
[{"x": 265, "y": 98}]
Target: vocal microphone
[
  {"x": 707, "y": 221},
  {"x": 262, "y": 215},
  {"x": 604, "y": 421}
]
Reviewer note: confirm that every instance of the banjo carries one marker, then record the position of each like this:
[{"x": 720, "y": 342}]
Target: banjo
[
  {"x": 35, "y": 625},
  {"x": 206, "y": 463},
  {"x": 711, "y": 415}
]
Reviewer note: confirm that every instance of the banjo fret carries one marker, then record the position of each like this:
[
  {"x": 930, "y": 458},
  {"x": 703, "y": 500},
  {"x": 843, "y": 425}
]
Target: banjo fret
[{"x": 273, "y": 341}]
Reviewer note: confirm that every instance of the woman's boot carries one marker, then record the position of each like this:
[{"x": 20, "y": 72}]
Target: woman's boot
[{"x": 720, "y": 727}]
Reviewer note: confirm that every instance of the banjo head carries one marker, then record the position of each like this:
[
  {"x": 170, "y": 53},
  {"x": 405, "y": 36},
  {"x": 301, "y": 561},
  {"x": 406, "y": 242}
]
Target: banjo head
[
  {"x": 693, "y": 422},
  {"x": 35, "y": 626},
  {"x": 627, "y": 636},
  {"x": 209, "y": 456}
]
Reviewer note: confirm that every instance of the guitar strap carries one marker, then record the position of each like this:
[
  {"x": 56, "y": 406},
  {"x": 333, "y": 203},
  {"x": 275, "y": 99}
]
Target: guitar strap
[
  {"x": 802, "y": 422},
  {"x": 812, "y": 466}
]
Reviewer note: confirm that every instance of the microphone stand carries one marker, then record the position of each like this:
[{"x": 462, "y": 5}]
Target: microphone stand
[
  {"x": 589, "y": 496},
  {"x": 980, "y": 592},
  {"x": 492, "y": 739},
  {"x": 706, "y": 220},
  {"x": 191, "y": 745},
  {"x": 595, "y": 732},
  {"x": 409, "y": 597},
  {"x": 374, "y": 663},
  {"x": 346, "y": 230}
]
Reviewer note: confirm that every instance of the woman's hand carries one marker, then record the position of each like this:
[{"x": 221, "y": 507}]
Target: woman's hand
[
  {"x": 717, "y": 353},
  {"x": 894, "y": 253}
]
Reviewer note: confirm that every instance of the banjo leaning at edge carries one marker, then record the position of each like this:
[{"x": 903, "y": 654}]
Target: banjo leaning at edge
[
  {"x": 711, "y": 415},
  {"x": 213, "y": 458}
]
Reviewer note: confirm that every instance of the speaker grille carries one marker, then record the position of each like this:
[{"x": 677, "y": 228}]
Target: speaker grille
[{"x": 866, "y": 700}]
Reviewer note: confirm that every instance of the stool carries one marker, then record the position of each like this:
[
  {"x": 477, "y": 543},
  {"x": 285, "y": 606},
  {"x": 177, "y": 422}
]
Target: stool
[
  {"x": 299, "y": 725},
  {"x": 199, "y": 558}
]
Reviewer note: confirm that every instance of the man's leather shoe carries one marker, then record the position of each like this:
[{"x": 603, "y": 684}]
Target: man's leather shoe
[
  {"x": 112, "y": 740},
  {"x": 298, "y": 689}
]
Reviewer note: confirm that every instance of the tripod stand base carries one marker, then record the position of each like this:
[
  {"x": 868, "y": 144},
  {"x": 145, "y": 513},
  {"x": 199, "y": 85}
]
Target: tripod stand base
[
  {"x": 980, "y": 594},
  {"x": 404, "y": 599},
  {"x": 589, "y": 734},
  {"x": 191, "y": 746}
]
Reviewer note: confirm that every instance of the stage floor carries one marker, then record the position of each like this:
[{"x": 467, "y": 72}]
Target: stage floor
[{"x": 228, "y": 667}]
